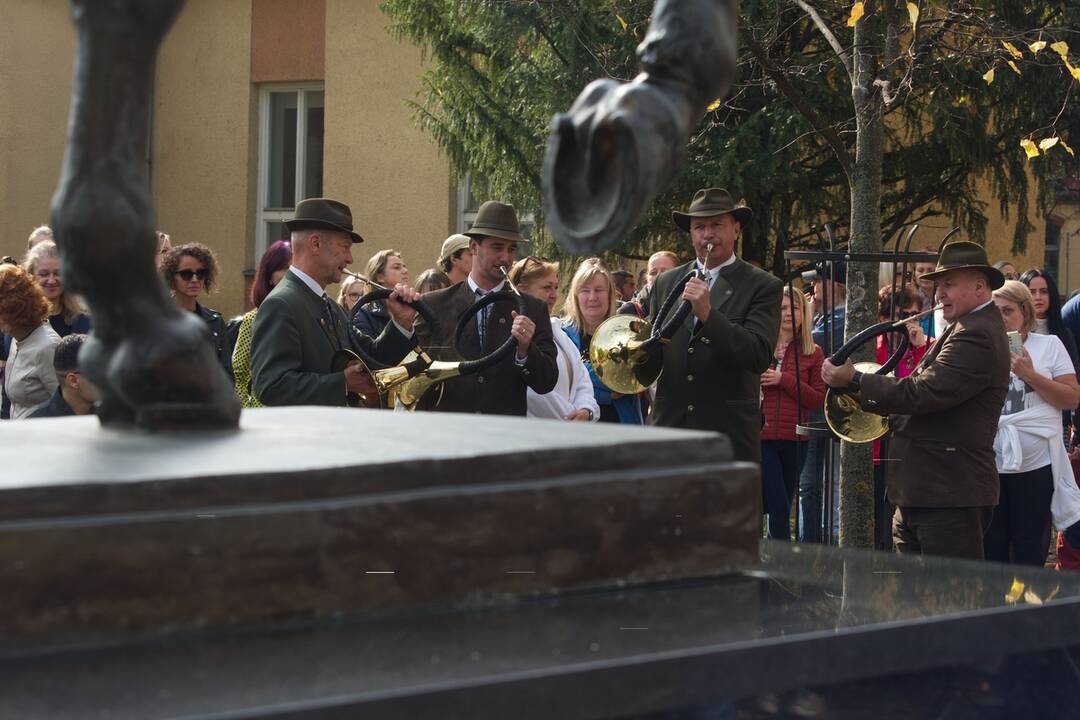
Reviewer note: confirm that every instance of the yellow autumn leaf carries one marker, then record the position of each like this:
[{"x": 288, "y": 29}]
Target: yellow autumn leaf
[
  {"x": 1015, "y": 591},
  {"x": 1047, "y": 143},
  {"x": 1012, "y": 49},
  {"x": 713, "y": 105},
  {"x": 621, "y": 21},
  {"x": 1036, "y": 46},
  {"x": 913, "y": 14},
  {"x": 857, "y": 11},
  {"x": 989, "y": 76},
  {"x": 1031, "y": 598},
  {"x": 1061, "y": 48},
  {"x": 1013, "y": 66},
  {"x": 1067, "y": 148},
  {"x": 1073, "y": 70},
  {"x": 1032, "y": 151}
]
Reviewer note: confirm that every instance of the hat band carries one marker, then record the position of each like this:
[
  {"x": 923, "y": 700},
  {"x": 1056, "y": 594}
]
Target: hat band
[{"x": 494, "y": 226}]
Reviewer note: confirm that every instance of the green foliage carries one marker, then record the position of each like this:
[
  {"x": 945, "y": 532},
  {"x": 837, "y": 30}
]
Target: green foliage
[{"x": 500, "y": 69}]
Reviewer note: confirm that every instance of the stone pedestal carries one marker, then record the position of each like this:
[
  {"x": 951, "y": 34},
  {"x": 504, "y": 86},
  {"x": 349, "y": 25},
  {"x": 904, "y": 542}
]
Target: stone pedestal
[{"x": 316, "y": 513}]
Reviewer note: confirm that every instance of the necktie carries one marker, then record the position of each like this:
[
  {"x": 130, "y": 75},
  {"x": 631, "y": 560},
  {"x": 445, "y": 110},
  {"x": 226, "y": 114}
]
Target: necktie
[
  {"x": 335, "y": 331},
  {"x": 697, "y": 322},
  {"x": 482, "y": 318}
]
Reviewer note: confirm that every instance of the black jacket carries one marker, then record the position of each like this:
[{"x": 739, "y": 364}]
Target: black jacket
[{"x": 216, "y": 325}]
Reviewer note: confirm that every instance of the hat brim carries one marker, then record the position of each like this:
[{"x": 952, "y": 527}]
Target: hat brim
[
  {"x": 743, "y": 215},
  {"x": 996, "y": 277},
  {"x": 306, "y": 224},
  {"x": 478, "y": 233}
]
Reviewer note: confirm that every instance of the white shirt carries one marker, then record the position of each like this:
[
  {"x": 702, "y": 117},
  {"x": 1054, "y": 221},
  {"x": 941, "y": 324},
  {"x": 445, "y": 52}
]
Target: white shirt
[
  {"x": 1049, "y": 358},
  {"x": 474, "y": 287},
  {"x": 573, "y": 389},
  {"x": 318, "y": 290},
  {"x": 714, "y": 273}
]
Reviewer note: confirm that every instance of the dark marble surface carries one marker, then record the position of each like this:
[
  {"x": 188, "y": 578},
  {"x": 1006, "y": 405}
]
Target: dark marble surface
[
  {"x": 317, "y": 513},
  {"x": 805, "y": 616}
]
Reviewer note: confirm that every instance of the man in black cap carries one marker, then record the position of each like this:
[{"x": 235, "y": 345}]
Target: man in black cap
[
  {"x": 299, "y": 330},
  {"x": 500, "y": 390},
  {"x": 713, "y": 362},
  {"x": 74, "y": 395},
  {"x": 944, "y": 415}
]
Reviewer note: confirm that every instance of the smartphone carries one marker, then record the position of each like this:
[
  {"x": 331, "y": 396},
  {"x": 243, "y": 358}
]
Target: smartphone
[{"x": 1016, "y": 345}]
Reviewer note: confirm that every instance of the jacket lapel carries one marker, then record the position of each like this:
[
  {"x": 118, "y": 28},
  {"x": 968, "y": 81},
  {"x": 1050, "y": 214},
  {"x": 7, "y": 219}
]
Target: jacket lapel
[{"x": 314, "y": 308}]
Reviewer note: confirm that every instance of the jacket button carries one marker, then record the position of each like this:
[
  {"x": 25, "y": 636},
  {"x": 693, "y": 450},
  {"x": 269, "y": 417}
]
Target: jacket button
[
  {"x": 690, "y": 350},
  {"x": 479, "y": 378},
  {"x": 502, "y": 321},
  {"x": 690, "y": 378},
  {"x": 689, "y": 408}
]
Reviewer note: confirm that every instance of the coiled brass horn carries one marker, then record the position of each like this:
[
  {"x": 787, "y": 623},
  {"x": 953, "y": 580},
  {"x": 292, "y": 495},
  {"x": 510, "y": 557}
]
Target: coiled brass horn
[
  {"x": 412, "y": 390},
  {"x": 843, "y": 410},
  {"x": 626, "y": 352},
  {"x": 385, "y": 379}
]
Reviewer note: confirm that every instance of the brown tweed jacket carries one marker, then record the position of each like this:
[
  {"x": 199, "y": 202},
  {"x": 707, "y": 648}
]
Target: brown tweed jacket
[
  {"x": 500, "y": 390},
  {"x": 945, "y": 416}
]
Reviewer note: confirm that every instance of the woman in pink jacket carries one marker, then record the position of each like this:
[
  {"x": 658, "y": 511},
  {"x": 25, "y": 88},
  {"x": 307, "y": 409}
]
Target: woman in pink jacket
[{"x": 791, "y": 389}]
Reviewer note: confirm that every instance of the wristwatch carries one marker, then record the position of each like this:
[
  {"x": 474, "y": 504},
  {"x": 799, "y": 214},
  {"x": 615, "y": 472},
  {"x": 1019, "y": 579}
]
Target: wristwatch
[
  {"x": 590, "y": 413},
  {"x": 856, "y": 382}
]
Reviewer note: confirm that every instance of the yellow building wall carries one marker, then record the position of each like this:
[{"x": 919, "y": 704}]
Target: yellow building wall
[
  {"x": 376, "y": 159},
  {"x": 37, "y": 51},
  {"x": 204, "y": 162}
]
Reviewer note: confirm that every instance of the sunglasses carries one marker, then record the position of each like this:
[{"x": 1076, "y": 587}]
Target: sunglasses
[{"x": 188, "y": 275}]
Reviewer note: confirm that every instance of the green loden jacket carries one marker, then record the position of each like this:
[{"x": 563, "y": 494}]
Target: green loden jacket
[
  {"x": 293, "y": 344},
  {"x": 711, "y": 378}
]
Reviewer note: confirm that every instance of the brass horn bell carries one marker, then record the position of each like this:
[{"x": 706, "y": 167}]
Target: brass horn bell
[
  {"x": 843, "y": 411},
  {"x": 622, "y": 356}
]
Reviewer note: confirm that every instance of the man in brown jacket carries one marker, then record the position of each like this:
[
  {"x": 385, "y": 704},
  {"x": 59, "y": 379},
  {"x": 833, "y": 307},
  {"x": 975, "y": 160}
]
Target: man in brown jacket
[
  {"x": 500, "y": 390},
  {"x": 945, "y": 414}
]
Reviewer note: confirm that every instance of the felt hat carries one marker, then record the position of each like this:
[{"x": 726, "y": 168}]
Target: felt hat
[
  {"x": 323, "y": 214},
  {"x": 709, "y": 202},
  {"x": 966, "y": 255},
  {"x": 496, "y": 219}
]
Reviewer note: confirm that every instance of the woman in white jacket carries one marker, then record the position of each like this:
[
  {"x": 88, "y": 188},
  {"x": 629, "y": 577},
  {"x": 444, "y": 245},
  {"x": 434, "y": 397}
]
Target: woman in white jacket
[
  {"x": 572, "y": 398},
  {"x": 1032, "y": 463}
]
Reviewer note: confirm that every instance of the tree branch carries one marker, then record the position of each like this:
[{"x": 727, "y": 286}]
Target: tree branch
[
  {"x": 829, "y": 36},
  {"x": 799, "y": 101}
]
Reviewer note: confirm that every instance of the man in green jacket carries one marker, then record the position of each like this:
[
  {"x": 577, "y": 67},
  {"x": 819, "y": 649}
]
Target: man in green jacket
[
  {"x": 713, "y": 363},
  {"x": 298, "y": 328}
]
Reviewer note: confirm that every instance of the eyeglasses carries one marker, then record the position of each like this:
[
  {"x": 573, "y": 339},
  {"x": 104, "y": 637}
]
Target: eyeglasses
[
  {"x": 354, "y": 295},
  {"x": 188, "y": 275}
]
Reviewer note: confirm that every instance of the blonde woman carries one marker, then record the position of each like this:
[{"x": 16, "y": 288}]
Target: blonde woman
[
  {"x": 387, "y": 269},
  {"x": 66, "y": 314},
  {"x": 791, "y": 389},
  {"x": 1033, "y": 466},
  {"x": 572, "y": 398},
  {"x": 591, "y": 301}
]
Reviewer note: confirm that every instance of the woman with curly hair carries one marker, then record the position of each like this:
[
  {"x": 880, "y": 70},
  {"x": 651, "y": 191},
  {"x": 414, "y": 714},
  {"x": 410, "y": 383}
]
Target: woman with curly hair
[
  {"x": 272, "y": 267},
  {"x": 189, "y": 270},
  {"x": 29, "y": 379},
  {"x": 66, "y": 314}
]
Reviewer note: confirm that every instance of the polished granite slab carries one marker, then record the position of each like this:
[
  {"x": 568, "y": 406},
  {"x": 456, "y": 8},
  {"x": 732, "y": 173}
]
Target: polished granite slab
[
  {"x": 309, "y": 513},
  {"x": 804, "y": 616}
]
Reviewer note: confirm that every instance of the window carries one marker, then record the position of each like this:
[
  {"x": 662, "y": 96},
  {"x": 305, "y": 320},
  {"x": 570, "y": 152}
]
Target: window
[
  {"x": 290, "y": 156},
  {"x": 468, "y": 205}
]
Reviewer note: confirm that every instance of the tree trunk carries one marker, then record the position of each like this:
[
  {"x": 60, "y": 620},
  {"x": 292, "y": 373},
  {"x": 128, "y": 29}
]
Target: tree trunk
[{"x": 856, "y": 461}]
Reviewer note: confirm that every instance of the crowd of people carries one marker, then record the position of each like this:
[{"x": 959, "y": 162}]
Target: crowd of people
[{"x": 984, "y": 398}]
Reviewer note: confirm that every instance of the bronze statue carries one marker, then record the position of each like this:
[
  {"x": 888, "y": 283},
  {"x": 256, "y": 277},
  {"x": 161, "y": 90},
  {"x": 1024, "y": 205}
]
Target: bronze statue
[
  {"x": 153, "y": 364},
  {"x": 621, "y": 144}
]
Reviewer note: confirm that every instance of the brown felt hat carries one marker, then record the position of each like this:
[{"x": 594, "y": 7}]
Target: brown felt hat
[
  {"x": 323, "y": 214},
  {"x": 966, "y": 255},
  {"x": 709, "y": 202},
  {"x": 496, "y": 219}
]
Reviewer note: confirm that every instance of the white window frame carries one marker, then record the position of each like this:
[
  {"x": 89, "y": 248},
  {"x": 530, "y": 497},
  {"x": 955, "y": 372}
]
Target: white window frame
[{"x": 264, "y": 215}]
